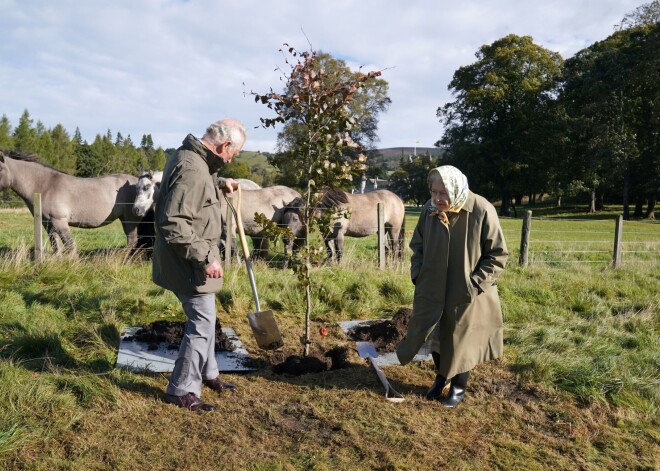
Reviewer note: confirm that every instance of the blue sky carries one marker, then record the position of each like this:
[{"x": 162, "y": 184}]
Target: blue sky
[{"x": 170, "y": 67}]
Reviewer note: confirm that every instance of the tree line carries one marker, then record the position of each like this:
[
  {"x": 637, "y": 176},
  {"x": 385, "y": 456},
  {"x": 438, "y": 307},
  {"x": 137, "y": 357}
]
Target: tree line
[
  {"x": 72, "y": 154},
  {"x": 525, "y": 122}
]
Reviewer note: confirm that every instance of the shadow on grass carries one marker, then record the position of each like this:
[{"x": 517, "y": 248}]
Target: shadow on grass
[
  {"x": 36, "y": 351},
  {"x": 355, "y": 377}
]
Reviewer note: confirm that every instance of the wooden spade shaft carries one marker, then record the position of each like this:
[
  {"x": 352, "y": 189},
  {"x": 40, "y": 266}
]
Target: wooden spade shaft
[{"x": 262, "y": 323}]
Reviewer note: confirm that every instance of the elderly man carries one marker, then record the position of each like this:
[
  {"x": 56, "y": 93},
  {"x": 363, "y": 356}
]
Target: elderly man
[{"x": 186, "y": 258}]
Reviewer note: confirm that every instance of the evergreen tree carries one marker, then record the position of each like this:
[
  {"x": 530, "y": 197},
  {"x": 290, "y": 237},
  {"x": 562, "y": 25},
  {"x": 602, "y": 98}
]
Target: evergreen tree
[
  {"x": 64, "y": 157},
  {"x": 158, "y": 160},
  {"x": 24, "y": 134},
  {"x": 77, "y": 136},
  {"x": 44, "y": 143},
  {"x": 6, "y": 139},
  {"x": 88, "y": 163}
]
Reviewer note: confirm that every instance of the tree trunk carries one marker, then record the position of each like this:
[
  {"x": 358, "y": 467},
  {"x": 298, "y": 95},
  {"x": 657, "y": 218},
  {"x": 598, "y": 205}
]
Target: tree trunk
[
  {"x": 639, "y": 207},
  {"x": 600, "y": 200},
  {"x": 626, "y": 195},
  {"x": 650, "y": 209},
  {"x": 592, "y": 206},
  {"x": 307, "y": 274},
  {"x": 308, "y": 311},
  {"x": 505, "y": 209},
  {"x": 559, "y": 201}
]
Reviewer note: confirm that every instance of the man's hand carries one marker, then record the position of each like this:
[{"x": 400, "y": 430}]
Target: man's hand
[
  {"x": 230, "y": 185},
  {"x": 214, "y": 270}
]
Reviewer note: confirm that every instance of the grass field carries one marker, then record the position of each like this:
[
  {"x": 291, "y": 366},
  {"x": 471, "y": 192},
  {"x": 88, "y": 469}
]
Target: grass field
[{"x": 577, "y": 389}]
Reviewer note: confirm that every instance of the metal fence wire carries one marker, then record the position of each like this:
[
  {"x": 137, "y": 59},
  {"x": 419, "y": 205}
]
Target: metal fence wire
[{"x": 550, "y": 241}]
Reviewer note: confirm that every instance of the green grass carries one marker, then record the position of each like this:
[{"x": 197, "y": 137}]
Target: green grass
[{"x": 577, "y": 389}]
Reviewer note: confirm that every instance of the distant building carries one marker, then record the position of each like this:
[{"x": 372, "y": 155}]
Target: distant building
[{"x": 371, "y": 184}]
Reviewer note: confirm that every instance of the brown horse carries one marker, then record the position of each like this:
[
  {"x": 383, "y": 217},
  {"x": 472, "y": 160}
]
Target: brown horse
[
  {"x": 361, "y": 222},
  {"x": 68, "y": 201}
]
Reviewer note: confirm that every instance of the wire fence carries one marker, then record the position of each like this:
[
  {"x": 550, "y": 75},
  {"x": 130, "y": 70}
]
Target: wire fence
[
  {"x": 585, "y": 241},
  {"x": 551, "y": 241}
]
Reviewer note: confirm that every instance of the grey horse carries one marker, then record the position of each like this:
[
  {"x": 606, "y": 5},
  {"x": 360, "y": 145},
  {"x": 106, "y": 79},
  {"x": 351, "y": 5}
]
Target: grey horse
[
  {"x": 148, "y": 185},
  {"x": 271, "y": 202},
  {"x": 68, "y": 201},
  {"x": 362, "y": 222}
]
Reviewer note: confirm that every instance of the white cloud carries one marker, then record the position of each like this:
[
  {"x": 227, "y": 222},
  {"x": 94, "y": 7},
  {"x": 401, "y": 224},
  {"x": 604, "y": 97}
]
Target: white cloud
[{"x": 169, "y": 67}]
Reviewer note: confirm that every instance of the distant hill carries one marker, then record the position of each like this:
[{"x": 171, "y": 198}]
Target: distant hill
[
  {"x": 390, "y": 152},
  {"x": 391, "y": 156},
  {"x": 255, "y": 159}
]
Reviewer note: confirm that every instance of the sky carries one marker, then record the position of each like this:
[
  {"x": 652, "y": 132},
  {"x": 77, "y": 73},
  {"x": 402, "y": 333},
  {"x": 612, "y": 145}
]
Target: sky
[{"x": 171, "y": 67}]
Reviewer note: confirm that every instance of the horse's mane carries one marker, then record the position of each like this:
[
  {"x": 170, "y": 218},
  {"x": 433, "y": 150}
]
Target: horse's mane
[
  {"x": 27, "y": 157},
  {"x": 334, "y": 197},
  {"x": 294, "y": 205}
]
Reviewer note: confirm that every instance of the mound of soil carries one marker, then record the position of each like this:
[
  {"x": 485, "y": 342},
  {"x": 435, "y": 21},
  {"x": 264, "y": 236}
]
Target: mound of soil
[
  {"x": 296, "y": 365},
  {"x": 385, "y": 335},
  {"x": 316, "y": 362},
  {"x": 172, "y": 333}
]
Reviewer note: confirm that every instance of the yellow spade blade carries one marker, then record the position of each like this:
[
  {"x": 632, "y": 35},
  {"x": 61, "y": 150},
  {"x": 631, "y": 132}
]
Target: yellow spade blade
[{"x": 265, "y": 330}]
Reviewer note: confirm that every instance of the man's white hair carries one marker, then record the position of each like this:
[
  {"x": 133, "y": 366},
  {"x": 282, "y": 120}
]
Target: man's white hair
[{"x": 226, "y": 130}]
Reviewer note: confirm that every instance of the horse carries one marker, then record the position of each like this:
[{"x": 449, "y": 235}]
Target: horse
[
  {"x": 255, "y": 200},
  {"x": 271, "y": 202},
  {"x": 148, "y": 185},
  {"x": 146, "y": 192},
  {"x": 68, "y": 201},
  {"x": 362, "y": 222}
]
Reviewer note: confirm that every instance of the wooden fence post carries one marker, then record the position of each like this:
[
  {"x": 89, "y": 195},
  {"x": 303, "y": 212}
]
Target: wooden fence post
[
  {"x": 38, "y": 227},
  {"x": 229, "y": 231},
  {"x": 618, "y": 232},
  {"x": 523, "y": 258},
  {"x": 381, "y": 236}
]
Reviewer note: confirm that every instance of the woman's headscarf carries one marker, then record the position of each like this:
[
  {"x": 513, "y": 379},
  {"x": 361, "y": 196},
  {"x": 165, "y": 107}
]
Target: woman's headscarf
[{"x": 455, "y": 183}]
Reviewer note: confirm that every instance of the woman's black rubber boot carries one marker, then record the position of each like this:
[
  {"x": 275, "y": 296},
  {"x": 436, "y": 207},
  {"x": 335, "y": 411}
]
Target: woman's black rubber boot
[
  {"x": 440, "y": 382},
  {"x": 434, "y": 393},
  {"x": 457, "y": 390}
]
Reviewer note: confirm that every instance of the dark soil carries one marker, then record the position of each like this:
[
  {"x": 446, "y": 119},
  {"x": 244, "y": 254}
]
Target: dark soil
[
  {"x": 385, "y": 335},
  {"x": 338, "y": 358},
  {"x": 172, "y": 332},
  {"x": 316, "y": 362},
  {"x": 296, "y": 365}
]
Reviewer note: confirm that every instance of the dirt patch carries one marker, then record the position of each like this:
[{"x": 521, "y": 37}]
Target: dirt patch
[
  {"x": 316, "y": 362},
  {"x": 171, "y": 333},
  {"x": 384, "y": 334}
]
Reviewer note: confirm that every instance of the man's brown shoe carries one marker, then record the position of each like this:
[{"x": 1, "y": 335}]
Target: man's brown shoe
[
  {"x": 190, "y": 402},
  {"x": 219, "y": 386}
]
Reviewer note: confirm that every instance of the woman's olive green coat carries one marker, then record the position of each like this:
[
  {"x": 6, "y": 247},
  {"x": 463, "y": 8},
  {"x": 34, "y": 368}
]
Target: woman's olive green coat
[{"x": 455, "y": 270}]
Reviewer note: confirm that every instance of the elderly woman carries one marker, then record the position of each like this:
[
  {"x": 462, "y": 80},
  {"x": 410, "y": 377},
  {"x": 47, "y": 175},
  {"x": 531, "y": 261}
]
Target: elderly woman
[{"x": 458, "y": 254}]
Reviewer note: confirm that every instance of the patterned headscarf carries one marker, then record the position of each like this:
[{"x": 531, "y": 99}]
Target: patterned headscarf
[{"x": 455, "y": 183}]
